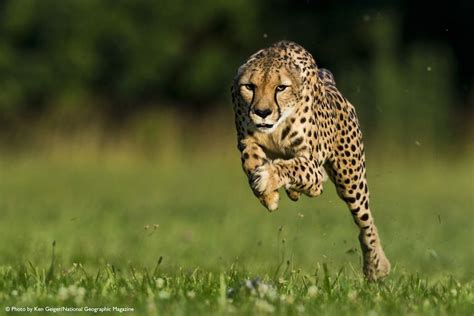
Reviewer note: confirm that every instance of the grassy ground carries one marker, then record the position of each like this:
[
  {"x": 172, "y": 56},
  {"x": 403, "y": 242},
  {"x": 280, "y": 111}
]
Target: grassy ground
[{"x": 189, "y": 238}]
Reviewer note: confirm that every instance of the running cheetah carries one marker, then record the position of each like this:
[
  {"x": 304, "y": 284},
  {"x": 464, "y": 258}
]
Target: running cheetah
[{"x": 294, "y": 130}]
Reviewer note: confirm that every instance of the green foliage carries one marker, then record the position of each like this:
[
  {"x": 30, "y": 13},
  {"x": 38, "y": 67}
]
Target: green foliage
[
  {"x": 199, "y": 292},
  {"x": 403, "y": 102},
  {"x": 116, "y": 58},
  {"x": 125, "y": 51}
]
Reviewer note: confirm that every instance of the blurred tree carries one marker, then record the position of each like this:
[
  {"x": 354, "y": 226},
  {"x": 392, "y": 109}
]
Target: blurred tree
[
  {"x": 117, "y": 57},
  {"x": 128, "y": 52}
]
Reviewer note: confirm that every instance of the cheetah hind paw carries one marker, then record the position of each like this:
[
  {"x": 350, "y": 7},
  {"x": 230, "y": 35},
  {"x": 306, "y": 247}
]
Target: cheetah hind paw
[
  {"x": 293, "y": 194},
  {"x": 377, "y": 270}
]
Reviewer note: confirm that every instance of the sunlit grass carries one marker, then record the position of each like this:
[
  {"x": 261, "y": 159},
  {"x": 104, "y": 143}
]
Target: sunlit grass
[{"x": 188, "y": 237}]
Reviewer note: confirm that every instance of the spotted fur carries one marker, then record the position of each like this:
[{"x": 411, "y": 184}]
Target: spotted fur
[{"x": 293, "y": 129}]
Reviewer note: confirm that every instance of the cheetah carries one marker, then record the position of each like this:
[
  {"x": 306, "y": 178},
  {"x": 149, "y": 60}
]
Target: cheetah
[{"x": 295, "y": 130}]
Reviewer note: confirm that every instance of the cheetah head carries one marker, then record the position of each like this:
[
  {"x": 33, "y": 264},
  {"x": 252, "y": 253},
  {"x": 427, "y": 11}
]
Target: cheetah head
[{"x": 268, "y": 87}]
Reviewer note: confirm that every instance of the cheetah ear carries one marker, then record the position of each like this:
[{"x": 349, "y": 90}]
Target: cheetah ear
[
  {"x": 294, "y": 67},
  {"x": 239, "y": 74},
  {"x": 291, "y": 66},
  {"x": 295, "y": 72}
]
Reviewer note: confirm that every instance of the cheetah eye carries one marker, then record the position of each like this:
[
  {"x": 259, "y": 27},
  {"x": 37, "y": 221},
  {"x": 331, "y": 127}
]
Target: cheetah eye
[
  {"x": 249, "y": 86},
  {"x": 280, "y": 88}
]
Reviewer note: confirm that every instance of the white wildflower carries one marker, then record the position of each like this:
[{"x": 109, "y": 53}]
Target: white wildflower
[
  {"x": 263, "y": 289},
  {"x": 264, "y": 306},
  {"x": 272, "y": 294},
  {"x": 63, "y": 293},
  {"x": 72, "y": 290},
  {"x": 164, "y": 295},
  {"x": 426, "y": 303},
  {"x": 300, "y": 308},
  {"x": 352, "y": 295},
  {"x": 313, "y": 291},
  {"x": 282, "y": 281},
  {"x": 159, "y": 283},
  {"x": 79, "y": 297}
]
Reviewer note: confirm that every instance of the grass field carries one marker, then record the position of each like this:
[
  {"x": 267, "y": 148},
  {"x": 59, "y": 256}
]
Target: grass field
[{"x": 189, "y": 238}]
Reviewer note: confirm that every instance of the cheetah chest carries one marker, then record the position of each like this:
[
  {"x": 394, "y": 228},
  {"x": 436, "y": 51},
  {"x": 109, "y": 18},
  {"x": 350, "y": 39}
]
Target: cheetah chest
[{"x": 280, "y": 144}]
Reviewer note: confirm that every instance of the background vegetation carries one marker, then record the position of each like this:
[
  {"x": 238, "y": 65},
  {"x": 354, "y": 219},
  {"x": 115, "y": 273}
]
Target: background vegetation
[
  {"x": 117, "y": 142},
  {"x": 66, "y": 64}
]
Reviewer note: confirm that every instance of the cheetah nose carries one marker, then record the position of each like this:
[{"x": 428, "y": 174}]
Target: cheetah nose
[{"x": 263, "y": 113}]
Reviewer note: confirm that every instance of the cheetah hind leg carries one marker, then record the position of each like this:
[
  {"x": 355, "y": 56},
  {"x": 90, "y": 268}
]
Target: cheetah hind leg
[{"x": 313, "y": 191}]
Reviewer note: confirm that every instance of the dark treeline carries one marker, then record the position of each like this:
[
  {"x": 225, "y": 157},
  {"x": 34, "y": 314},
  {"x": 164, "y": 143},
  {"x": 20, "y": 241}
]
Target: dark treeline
[{"x": 120, "y": 57}]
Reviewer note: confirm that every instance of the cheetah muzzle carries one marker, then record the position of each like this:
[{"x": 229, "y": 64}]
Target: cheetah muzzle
[{"x": 294, "y": 130}]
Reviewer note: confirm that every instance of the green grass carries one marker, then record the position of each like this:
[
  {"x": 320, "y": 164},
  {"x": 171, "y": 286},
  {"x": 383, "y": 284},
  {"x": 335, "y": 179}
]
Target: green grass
[{"x": 189, "y": 238}]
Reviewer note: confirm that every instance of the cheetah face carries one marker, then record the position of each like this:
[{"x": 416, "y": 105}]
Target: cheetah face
[{"x": 269, "y": 95}]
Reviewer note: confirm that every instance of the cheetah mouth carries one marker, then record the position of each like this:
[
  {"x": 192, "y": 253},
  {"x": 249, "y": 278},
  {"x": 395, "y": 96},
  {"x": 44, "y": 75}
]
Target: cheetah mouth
[{"x": 264, "y": 125}]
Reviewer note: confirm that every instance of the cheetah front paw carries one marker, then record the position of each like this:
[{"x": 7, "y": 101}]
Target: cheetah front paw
[
  {"x": 314, "y": 191},
  {"x": 265, "y": 179},
  {"x": 270, "y": 200},
  {"x": 265, "y": 183}
]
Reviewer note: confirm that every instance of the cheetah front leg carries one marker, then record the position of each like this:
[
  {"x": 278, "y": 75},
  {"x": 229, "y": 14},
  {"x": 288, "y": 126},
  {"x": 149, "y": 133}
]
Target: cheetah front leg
[
  {"x": 299, "y": 174},
  {"x": 253, "y": 157},
  {"x": 316, "y": 190},
  {"x": 350, "y": 180}
]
